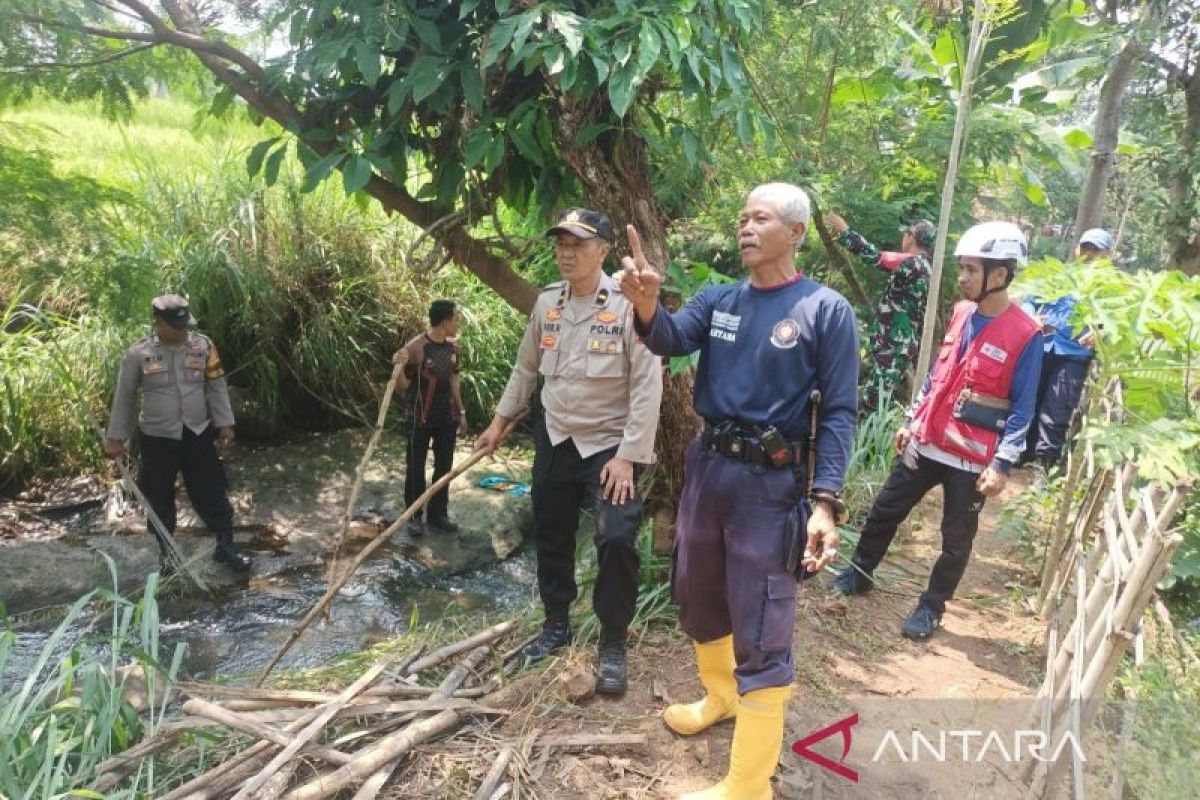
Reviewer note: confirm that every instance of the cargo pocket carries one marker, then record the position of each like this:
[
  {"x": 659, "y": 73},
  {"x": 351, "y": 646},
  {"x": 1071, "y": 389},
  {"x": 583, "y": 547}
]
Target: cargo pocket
[{"x": 779, "y": 613}]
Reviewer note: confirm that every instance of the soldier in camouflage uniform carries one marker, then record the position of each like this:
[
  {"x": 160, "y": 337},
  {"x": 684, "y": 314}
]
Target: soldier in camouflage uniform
[{"x": 895, "y": 332}]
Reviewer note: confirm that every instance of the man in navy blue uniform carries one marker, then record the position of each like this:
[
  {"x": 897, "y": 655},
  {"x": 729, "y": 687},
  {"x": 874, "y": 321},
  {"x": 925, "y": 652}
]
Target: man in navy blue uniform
[{"x": 766, "y": 343}]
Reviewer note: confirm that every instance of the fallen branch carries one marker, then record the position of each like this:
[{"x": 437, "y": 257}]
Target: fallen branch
[
  {"x": 325, "y": 714},
  {"x": 214, "y": 712},
  {"x": 374, "y": 545},
  {"x": 373, "y": 758},
  {"x": 491, "y": 781},
  {"x": 484, "y": 637}
]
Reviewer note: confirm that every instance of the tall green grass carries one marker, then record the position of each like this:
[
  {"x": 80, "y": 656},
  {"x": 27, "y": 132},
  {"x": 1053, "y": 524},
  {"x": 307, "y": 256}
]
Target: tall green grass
[
  {"x": 306, "y": 294},
  {"x": 70, "y": 712}
]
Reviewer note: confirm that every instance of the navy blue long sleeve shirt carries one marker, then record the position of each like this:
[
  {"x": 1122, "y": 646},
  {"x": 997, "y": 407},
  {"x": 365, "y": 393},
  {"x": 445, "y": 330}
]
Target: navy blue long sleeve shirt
[{"x": 762, "y": 352}]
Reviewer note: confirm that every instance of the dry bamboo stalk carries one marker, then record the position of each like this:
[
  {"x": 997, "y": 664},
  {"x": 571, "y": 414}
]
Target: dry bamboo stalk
[
  {"x": 371, "y": 786},
  {"x": 502, "y": 792},
  {"x": 274, "y": 788},
  {"x": 348, "y": 514},
  {"x": 369, "y": 761},
  {"x": 486, "y": 636},
  {"x": 212, "y": 711},
  {"x": 374, "y": 545},
  {"x": 1155, "y": 560},
  {"x": 491, "y": 781},
  {"x": 1089, "y": 510},
  {"x": 1058, "y": 539},
  {"x": 452, "y": 681},
  {"x": 325, "y": 713}
]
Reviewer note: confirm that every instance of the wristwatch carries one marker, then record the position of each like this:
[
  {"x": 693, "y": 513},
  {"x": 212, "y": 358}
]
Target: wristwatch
[{"x": 834, "y": 499}]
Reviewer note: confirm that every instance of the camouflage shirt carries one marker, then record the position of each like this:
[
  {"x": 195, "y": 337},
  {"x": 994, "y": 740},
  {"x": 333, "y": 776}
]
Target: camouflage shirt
[{"x": 894, "y": 334}]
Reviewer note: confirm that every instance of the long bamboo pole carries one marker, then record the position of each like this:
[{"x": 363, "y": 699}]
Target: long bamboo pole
[
  {"x": 981, "y": 28},
  {"x": 379, "y": 540},
  {"x": 348, "y": 514}
]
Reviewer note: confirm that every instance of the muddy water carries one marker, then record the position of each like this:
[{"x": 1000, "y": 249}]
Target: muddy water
[{"x": 236, "y": 631}]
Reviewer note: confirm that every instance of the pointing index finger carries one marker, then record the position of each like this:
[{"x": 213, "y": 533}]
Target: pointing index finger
[{"x": 635, "y": 245}]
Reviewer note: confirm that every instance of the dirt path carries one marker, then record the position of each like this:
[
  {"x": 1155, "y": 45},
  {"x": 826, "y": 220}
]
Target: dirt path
[{"x": 850, "y": 658}]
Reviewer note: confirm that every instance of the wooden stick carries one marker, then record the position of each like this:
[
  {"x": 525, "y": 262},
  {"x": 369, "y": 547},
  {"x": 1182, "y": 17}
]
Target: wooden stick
[
  {"x": 274, "y": 788},
  {"x": 112, "y": 771},
  {"x": 485, "y": 636},
  {"x": 369, "y": 762},
  {"x": 502, "y": 792},
  {"x": 325, "y": 714},
  {"x": 372, "y": 546},
  {"x": 370, "y": 788},
  {"x": 214, "y": 712},
  {"x": 491, "y": 781},
  {"x": 362, "y": 471}
]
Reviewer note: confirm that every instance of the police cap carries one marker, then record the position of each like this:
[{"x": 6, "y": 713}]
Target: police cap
[
  {"x": 584, "y": 223},
  {"x": 172, "y": 309}
]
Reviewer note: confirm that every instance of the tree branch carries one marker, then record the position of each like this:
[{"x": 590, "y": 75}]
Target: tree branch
[
  {"x": 1173, "y": 71},
  {"x": 96, "y": 62},
  {"x": 103, "y": 33}
]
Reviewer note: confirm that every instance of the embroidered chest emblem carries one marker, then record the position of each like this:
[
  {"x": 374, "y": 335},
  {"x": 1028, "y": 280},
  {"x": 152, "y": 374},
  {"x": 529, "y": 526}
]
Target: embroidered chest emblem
[
  {"x": 994, "y": 353},
  {"x": 606, "y": 317},
  {"x": 553, "y": 315},
  {"x": 786, "y": 333}
]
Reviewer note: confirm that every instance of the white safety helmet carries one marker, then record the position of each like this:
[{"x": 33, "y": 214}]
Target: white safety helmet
[{"x": 997, "y": 240}]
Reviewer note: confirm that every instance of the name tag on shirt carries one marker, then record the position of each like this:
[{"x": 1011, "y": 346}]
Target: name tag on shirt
[
  {"x": 725, "y": 326},
  {"x": 994, "y": 353}
]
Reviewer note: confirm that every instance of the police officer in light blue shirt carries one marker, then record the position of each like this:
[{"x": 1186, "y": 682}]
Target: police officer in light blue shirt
[{"x": 1068, "y": 354}]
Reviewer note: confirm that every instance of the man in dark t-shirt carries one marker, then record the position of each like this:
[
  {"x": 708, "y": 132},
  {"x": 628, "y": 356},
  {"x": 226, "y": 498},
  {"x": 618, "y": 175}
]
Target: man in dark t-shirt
[{"x": 431, "y": 370}]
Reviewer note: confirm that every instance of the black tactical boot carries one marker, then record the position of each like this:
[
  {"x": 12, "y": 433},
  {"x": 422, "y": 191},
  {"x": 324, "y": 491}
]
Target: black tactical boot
[
  {"x": 228, "y": 554},
  {"x": 611, "y": 669},
  {"x": 555, "y": 635},
  {"x": 443, "y": 524}
]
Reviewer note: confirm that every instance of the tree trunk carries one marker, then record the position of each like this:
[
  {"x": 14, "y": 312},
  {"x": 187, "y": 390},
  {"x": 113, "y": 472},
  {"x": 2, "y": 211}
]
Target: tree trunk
[
  {"x": 1185, "y": 238},
  {"x": 1090, "y": 213}
]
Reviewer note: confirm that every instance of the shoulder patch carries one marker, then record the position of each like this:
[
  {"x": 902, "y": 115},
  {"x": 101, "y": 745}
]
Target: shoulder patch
[{"x": 554, "y": 286}]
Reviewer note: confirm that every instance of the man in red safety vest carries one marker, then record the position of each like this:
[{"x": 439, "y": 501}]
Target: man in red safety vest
[{"x": 968, "y": 424}]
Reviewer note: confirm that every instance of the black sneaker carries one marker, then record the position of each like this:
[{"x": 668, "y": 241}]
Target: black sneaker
[
  {"x": 850, "y": 581},
  {"x": 227, "y": 553},
  {"x": 443, "y": 524},
  {"x": 611, "y": 668},
  {"x": 921, "y": 623},
  {"x": 555, "y": 635}
]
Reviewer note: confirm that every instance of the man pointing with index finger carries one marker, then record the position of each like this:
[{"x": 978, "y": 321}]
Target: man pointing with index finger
[{"x": 766, "y": 343}]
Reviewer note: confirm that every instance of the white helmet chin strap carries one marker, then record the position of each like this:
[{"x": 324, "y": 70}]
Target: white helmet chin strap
[{"x": 985, "y": 290}]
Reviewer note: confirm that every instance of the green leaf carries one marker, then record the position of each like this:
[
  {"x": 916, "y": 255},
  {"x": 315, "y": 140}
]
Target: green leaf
[
  {"x": 568, "y": 26},
  {"x": 1078, "y": 138},
  {"x": 498, "y": 38},
  {"x": 621, "y": 88},
  {"x": 495, "y": 154},
  {"x": 425, "y": 76},
  {"x": 555, "y": 59},
  {"x": 356, "y": 173},
  {"x": 478, "y": 143},
  {"x": 320, "y": 170},
  {"x": 673, "y": 52},
  {"x": 89, "y": 794},
  {"x": 524, "y": 28},
  {"x": 221, "y": 101},
  {"x": 271, "y": 172},
  {"x": 589, "y": 134},
  {"x": 649, "y": 47},
  {"x": 472, "y": 87},
  {"x": 745, "y": 126},
  {"x": 427, "y": 32},
  {"x": 368, "y": 62},
  {"x": 621, "y": 52},
  {"x": 257, "y": 154},
  {"x": 522, "y": 136},
  {"x": 465, "y": 7},
  {"x": 601, "y": 67}
]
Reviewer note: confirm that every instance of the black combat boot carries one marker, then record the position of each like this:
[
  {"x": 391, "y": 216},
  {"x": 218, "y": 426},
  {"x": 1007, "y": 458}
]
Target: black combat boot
[
  {"x": 611, "y": 670},
  {"x": 228, "y": 554},
  {"x": 555, "y": 635}
]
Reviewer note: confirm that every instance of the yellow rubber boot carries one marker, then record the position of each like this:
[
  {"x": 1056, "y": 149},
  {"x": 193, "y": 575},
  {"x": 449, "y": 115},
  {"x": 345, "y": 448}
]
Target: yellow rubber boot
[
  {"x": 716, "y": 663},
  {"x": 757, "y": 739}
]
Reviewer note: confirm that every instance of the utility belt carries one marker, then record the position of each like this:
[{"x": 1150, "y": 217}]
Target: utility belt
[{"x": 763, "y": 447}]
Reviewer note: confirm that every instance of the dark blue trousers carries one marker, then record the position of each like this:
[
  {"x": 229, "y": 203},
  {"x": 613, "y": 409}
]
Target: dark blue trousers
[{"x": 728, "y": 574}]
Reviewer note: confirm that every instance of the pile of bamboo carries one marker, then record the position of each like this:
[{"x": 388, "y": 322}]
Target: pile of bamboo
[{"x": 302, "y": 745}]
